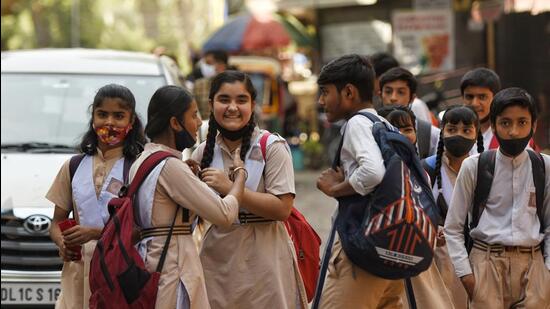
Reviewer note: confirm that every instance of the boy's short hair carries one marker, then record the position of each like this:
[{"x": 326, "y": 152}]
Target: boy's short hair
[
  {"x": 382, "y": 62},
  {"x": 399, "y": 74},
  {"x": 350, "y": 69},
  {"x": 513, "y": 96},
  {"x": 480, "y": 77}
]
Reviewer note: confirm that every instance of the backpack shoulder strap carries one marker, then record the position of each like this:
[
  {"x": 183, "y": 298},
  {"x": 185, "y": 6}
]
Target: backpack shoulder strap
[
  {"x": 423, "y": 138},
  {"x": 485, "y": 174},
  {"x": 336, "y": 161},
  {"x": 370, "y": 116},
  {"x": 143, "y": 171},
  {"x": 539, "y": 176},
  {"x": 429, "y": 166},
  {"x": 160, "y": 264},
  {"x": 126, "y": 168},
  {"x": 74, "y": 163},
  {"x": 263, "y": 143}
]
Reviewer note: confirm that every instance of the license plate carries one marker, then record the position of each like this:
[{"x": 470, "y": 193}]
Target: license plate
[{"x": 30, "y": 293}]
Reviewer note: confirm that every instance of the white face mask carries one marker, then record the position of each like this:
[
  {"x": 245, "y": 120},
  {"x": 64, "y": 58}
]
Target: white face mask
[{"x": 207, "y": 70}]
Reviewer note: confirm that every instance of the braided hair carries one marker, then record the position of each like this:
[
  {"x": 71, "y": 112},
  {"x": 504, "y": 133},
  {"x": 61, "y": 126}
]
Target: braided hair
[
  {"x": 218, "y": 81},
  {"x": 454, "y": 115}
]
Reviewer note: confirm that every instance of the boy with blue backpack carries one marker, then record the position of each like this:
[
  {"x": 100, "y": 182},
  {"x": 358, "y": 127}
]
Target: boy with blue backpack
[
  {"x": 360, "y": 275},
  {"x": 504, "y": 197},
  {"x": 346, "y": 86}
]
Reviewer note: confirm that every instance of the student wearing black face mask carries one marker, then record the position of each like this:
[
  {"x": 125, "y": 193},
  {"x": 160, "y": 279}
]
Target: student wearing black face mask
[
  {"x": 460, "y": 130},
  {"x": 172, "y": 124},
  {"x": 511, "y": 222}
]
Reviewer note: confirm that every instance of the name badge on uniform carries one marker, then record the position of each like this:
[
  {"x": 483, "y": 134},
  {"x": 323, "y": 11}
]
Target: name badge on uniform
[
  {"x": 532, "y": 198},
  {"x": 114, "y": 186},
  {"x": 256, "y": 154}
]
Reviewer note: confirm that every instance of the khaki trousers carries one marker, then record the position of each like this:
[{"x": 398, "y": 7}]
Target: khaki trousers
[
  {"x": 348, "y": 286},
  {"x": 455, "y": 288},
  {"x": 509, "y": 280},
  {"x": 429, "y": 290}
]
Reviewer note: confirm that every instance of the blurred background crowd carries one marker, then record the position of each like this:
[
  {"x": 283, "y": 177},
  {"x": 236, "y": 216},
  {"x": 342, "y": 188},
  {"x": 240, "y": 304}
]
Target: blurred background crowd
[{"x": 283, "y": 44}]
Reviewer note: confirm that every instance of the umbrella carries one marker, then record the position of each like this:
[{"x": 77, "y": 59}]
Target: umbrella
[{"x": 245, "y": 33}]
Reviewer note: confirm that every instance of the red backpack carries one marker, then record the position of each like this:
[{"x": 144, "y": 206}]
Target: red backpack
[
  {"x": 305, "y": 239},
  {"x": 118, "y": 277}
]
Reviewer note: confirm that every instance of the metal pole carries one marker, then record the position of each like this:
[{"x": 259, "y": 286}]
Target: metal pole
[{"x": 75, "y": 23}]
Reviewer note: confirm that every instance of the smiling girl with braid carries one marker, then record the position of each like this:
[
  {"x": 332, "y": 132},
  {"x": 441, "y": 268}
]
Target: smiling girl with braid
[
  {"x": 251, "y": 264},
  {"x": 459, "y": 132}
]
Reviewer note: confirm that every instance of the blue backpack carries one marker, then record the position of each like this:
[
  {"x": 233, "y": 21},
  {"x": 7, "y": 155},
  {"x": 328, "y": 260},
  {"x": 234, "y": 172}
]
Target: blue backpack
[{"x": 390, "y": 232}]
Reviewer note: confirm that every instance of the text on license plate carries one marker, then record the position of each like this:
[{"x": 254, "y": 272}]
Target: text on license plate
[{"x": 30, "y": 293}]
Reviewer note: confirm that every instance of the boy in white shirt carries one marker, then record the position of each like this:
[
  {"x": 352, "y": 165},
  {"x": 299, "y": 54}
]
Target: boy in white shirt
[
  {"x": 478, "y": 87},
  {"x": 398, "y": 87},
  {"x": 346, "y": 86},
  {"x": 505, "y": 268}
]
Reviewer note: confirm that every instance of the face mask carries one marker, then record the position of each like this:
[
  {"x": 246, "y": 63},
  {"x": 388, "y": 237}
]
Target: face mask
[
  {"x": 184, "y": 139},
  {"x": 457, "y": 145},
  {"x": 112, "y": 135},
  {"x": 514, "y": 147},
  {"x": 232, "y": 135},
  {"x": 207, "y": 70}
]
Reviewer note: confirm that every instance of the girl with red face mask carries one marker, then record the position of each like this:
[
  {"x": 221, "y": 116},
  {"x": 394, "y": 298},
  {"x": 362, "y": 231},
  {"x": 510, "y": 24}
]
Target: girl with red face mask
[{"x": 86, "y": 183}]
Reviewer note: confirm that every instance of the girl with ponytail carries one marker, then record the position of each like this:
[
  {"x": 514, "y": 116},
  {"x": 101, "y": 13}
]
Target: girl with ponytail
[
  {"x": 460, "y": 131},
  {"x": 251, "y": 264}
]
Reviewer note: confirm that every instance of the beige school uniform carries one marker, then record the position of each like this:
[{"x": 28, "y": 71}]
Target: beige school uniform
[
  {"x": 438, "y": 287},
  {"x": 429, "y": 290},
  {"x": 442, "y": 259},
  {"x": 349, "y": 286},
  {"x": 177, "y": 185},
  {"x": 254, "y": 265},
  {"x": 75, "y": 289}
]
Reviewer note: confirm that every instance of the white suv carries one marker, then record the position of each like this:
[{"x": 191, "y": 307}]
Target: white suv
[{"x": 45, "y": 98}]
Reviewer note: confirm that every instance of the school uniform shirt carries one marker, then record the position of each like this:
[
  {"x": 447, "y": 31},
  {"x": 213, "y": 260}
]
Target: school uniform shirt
[
  {"x": 254, "y": 265},
  {"x": 421, "y": 110},
  {"x": 448, "y": 180},
  {"x": 181, "y": 282},
  {"x": 510, "y": 215},
  {"x": 75, "y": 289},
  {"x": 360, "y": 157}
]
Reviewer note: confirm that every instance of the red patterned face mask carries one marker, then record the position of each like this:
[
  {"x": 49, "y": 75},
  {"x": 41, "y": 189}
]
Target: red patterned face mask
[{"x": 111, "y": 135}]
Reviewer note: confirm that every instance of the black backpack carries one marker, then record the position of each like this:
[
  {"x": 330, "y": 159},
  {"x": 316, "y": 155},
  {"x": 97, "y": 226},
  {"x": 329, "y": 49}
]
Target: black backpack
[
  {"x": 485, "y": 174},
  {"x": 424, "y": 136}
]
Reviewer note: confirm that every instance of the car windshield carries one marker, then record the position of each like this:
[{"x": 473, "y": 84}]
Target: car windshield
[{"x": 53, "y": 109}]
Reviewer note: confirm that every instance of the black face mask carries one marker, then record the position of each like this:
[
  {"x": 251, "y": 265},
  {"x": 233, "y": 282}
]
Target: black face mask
[
  {"x": 232, "y": 135},
  {"x": 514, "y": 147},
  {"x": 184, "y": 139},
  {"x": 457, "y": 145}
]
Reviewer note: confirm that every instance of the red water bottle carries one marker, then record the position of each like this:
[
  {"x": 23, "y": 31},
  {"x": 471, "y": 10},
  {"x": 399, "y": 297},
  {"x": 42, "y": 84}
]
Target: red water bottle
[{"x": 67, "y": 224}]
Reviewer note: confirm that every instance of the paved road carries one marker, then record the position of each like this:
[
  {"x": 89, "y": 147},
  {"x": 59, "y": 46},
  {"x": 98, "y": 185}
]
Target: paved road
[{"x": 315, "y": 205}]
